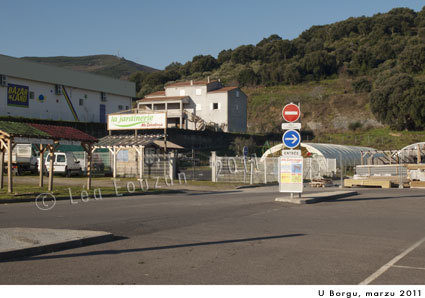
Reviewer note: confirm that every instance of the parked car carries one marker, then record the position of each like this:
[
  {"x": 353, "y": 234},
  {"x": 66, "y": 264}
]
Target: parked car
[
  {"x": 23, "y": 159},
  {"x": 64, "y": 163}
]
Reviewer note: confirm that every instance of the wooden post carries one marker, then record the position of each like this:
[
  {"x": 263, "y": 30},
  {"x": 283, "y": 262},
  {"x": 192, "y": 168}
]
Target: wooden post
[
  {"x": 181, "y": 115},
  {"x": 115, "y": 162},
  {"x": 9, "y": 166},
  {"x": 52, "y": 156},
  {"x": 89, "y": 149},
  {"x": 41, "y": 165},
  {"x": 139, "y": 151}
]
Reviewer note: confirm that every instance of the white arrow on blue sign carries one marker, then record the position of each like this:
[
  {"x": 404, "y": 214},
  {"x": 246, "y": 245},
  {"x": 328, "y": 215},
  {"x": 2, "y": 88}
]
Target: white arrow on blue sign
[{"x": 291, "y": 138}]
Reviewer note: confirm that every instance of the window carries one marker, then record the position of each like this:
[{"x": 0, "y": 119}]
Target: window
[
  {"x": 198, "y": 107},
  {"x": 215, "y": 106},
  {"x": 237, "y": 93},
  {"x": 182, "y": 93},
  {"x": 102, "y": 96},
  {"x": 122, "y": 155},
  {"x": 120, "y": 107},
  {"x": 3, "y": 80},
  {"x": 58, "y": 89},
  {"x": 198, "y": 91},
  {"x": 31, "y": 95},
  {"x": 127, "y": 107},
  {"x": 237, "y": 107},
  {"x": 81, "y": 101},
  {"x": 60, "y": 158}
]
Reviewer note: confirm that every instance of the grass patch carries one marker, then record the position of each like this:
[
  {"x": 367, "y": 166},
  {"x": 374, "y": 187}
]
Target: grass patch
[
  {"x": 378, "y": 138},
  {"x": 30, "y": 191}
]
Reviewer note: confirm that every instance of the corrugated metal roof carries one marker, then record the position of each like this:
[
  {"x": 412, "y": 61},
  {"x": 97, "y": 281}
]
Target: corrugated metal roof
[
  {"x": 19, "y": 68},
  {"x": 127, "y": 141},
  {"x": 140, "y": 140},
  {"x": 351, "y": 155}
]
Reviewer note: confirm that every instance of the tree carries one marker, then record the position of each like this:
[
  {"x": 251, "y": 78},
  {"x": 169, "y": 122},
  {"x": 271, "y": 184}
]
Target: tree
[
  {"x": 412, "y": 59},
  {"x": 399, "y": 101},
  {"x": 202, "y": 63},
  {"x": 272, "y": 38},
  {"x": 247, "y": 77},
  {"x": 173, "y": 66},
  {"x": 224, "y": 56},
  {"x": 243, "y": 54}
]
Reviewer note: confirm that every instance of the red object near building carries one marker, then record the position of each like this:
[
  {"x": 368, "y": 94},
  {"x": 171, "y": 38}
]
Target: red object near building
[{"x": 291, "y": 112}]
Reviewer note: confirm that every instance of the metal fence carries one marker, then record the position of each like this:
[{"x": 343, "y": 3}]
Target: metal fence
[
  {"x": 245, "y": 170},
  {"x": 265, "y": 170},
  {"x": 319, "y": 167},
  {"x": 154, "y": 165}
]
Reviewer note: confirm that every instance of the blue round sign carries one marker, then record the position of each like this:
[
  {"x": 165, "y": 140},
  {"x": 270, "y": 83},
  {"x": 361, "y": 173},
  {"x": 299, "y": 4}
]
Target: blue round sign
[
  {"x": 245, "y": 151},
  {"x": 291, "y": 138}
]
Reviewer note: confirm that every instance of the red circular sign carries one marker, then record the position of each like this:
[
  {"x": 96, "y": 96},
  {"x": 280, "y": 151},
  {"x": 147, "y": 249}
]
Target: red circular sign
[{"x": 291, "y": 112}]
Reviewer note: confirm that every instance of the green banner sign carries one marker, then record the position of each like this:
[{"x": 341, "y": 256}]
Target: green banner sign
[{"x": 136, "y": 121}]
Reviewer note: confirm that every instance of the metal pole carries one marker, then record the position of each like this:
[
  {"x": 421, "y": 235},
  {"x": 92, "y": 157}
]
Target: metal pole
[
  {"x": 252, "y": 173},
  {"x": 213, "y": 166}
]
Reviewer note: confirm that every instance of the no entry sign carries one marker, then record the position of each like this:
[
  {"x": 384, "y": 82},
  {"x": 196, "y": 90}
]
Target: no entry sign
[{"x": 291, "y": 112}]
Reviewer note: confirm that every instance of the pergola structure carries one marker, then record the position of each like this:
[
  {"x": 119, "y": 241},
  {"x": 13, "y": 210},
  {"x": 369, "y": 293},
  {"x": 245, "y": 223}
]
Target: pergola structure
[
  {"x": 48, "y": 137},
  {"x": 119, "y": 142}
]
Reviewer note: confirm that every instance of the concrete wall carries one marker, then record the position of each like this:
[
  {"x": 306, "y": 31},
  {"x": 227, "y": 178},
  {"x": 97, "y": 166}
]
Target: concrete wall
[
  {"x": 237, "y": 111},
  {"x": 55, "y": 107}
]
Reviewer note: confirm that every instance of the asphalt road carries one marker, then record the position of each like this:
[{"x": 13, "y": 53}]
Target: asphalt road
[{"x": 231, "y": 237}]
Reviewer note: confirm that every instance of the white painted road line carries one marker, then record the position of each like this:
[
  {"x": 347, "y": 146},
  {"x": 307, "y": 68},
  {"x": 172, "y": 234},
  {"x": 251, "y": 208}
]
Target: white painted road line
[
  {"x": 391, "y": 263},
  {"x": 408, "y": 267}
]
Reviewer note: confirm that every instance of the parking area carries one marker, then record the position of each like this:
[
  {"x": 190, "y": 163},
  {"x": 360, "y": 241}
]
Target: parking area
[{"x": 231, "y": 237}]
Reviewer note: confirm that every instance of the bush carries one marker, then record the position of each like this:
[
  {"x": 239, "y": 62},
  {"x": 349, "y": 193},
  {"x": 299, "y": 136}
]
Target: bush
[
  {"x": 353, "y": 126},
  {"x": 362, "y": 85}
]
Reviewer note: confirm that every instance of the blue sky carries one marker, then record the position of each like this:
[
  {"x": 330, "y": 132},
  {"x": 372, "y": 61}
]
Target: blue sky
[{"x": 158, "y": 32}]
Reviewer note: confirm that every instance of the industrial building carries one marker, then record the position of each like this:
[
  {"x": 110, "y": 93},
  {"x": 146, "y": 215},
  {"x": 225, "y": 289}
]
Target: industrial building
[{"x": 33, "y": 90}]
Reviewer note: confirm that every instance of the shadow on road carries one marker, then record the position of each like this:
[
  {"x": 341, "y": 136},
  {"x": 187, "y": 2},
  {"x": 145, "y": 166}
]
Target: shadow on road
[
  {"x": 378, "y": 198},
  {"x": 212, "y": 192},
  {"x": 116, "y": 252}
]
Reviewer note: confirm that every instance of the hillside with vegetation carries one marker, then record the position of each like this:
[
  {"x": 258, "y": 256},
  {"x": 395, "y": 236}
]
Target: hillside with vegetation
[
  {"x": 107, "y": 65},
  {"x": 357, "y": 74}
]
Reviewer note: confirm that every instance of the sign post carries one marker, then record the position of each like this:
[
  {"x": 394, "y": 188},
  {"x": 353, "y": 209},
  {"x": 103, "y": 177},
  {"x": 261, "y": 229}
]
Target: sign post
[{"x": 291, "y": 161}]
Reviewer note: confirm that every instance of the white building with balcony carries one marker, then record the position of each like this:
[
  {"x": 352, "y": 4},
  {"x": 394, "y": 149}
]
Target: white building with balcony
[{"x": 197, "y": 104}]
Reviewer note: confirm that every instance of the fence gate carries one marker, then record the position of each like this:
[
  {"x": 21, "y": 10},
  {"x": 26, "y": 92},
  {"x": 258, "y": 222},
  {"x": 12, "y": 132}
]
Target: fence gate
[{"x": 195, "y": 165}]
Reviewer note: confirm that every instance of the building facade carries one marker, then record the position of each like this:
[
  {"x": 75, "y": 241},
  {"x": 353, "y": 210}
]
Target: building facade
[
  {"x": 34, "y": 90},
  {"x": 197, "y": 104}
]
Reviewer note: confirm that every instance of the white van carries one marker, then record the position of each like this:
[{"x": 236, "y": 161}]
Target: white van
[{"x": 64, "y": 163}]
